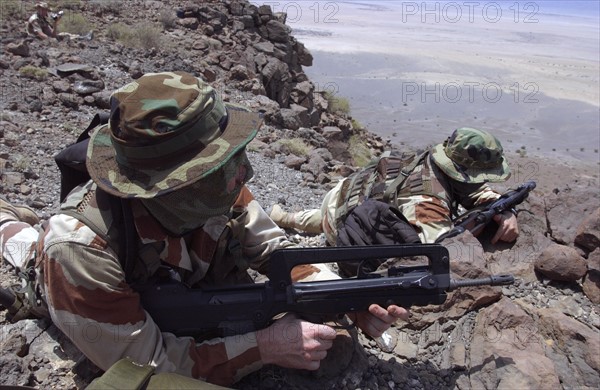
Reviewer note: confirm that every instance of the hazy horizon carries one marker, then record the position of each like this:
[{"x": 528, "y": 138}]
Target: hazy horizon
[{"x": 413, "y": 71}]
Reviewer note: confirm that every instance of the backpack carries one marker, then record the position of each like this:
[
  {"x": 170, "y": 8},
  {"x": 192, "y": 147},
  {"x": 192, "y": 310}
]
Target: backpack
[
  {"x": 368, "y": 213},
  {"x": 71, "y": 160},
  {"x": 373, "y": 222}
]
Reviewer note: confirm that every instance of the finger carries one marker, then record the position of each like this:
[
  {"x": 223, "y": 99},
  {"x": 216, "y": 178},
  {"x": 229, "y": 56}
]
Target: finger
[
  {"x": 499, "y": 233},
  {"x": 325, "y": 332},
  {"x": 317, "y": 355},
  {"x": 382, "y": 314},
  {"x": 399, "y": 312},
  {"x": 310, "y": 364}
]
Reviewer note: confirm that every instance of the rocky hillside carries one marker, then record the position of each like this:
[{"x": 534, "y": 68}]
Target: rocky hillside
[{"x": 542, "y": 332}]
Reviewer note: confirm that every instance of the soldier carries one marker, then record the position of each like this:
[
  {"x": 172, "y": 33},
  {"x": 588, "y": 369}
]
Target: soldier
[
  {"x": 170, "y": 170},
  {"x": 38, "y": 24},
  {"x": 427, "y": 189}
]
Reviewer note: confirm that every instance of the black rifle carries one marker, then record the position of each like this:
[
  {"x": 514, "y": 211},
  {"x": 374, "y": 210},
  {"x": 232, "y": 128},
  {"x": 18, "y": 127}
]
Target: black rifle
[
  {"x": 242, "y": 308},
  {"x": 481, "y": 216}
]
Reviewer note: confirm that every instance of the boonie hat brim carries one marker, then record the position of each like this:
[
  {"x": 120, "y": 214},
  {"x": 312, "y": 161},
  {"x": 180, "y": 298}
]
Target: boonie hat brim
[
  {"x": 126, "y": 182},
  {"x": 469, "y": 175}
]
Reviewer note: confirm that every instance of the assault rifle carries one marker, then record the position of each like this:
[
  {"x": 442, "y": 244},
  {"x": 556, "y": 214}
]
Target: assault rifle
[
  {"x": 243, "y": 308},
  {"x": 479, "y": 217}
]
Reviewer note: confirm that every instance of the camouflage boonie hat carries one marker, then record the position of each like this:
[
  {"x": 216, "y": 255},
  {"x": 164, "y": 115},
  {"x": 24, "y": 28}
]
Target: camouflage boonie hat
[
  {"x": 42, "y": 5},
  {"x": 166, "y": 131},
  {"x": 472, "y": 156}
]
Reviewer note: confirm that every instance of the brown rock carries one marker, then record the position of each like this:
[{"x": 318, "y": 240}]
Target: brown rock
[
  {"x": 593, "y": 260},
  {"x": 189, "y": 23},
  {"x": 591, "y": 286},
  {"x": 19, "y": 49},
  {"x": 569, "y": 337},
  {"x": 277, "y": 31},
  {"x": 588, "y": 232},
  {"x": 294, "y": 162},
  {"x": 560, "y": 262},
  {"x": 332, "y": 132},
  {"x": 506, "y": 351},
  {"x": 566, "y": 208}
]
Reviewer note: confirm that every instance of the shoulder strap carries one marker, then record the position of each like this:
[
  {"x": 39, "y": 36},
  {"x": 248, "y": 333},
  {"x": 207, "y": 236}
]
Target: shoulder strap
[{"x": 391, "y": 192}]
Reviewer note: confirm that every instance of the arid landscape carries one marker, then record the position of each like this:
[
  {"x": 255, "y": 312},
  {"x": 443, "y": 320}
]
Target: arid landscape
[
  {"x": 412, "y": 70},
  {"x": 542, "y": 332}
]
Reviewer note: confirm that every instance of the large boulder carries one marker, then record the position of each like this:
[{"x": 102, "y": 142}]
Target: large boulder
[
  {"x": 560, "y": 262},
  {"x": 573, "y": 347},
  {"x": 588, "y": 232},
  {"x": 506, "y": 352}
]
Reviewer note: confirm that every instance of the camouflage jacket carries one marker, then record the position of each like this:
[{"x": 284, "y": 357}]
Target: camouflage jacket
[
  {"x": 36, "y": 25},
  {"x": 427, "y": 198},
  {"x": 89, "y": 299}
]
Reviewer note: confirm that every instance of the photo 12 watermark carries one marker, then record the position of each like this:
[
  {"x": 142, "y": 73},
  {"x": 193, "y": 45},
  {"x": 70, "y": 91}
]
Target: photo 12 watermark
[
  {"x": 469, "y": 11},
  {"x": 469, "y": 91},
  {"x": 306, "y": 11}
]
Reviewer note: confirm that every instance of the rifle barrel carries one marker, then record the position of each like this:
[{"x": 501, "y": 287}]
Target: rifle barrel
[{"x": 493, "y": 280}]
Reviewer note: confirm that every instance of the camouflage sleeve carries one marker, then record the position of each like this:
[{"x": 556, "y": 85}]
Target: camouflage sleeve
[
  {"x": 92, "y": 304},
  {"x": 263, "y": 236}
]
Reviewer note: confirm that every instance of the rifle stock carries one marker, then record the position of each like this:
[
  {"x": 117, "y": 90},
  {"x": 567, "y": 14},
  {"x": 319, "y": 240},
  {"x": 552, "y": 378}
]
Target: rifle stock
[{"x": 243, "y": 308}]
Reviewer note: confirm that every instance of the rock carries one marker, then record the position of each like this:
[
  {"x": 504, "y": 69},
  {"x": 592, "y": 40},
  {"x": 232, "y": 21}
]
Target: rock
[
  {"x": 239, "y": 72},
  {"x": 88, "y": 87},
  {"x": 593, "y": 260},
  {"x": 19, "y": 49},
  {"x": 275, "y": 78},
  {"x": 591, "y": 286},
  {"x": 294, "y": 162},
  {"x": 332, "y": 132},
  {"x": 102, "y": 99},
  {"x": 506, "y": 352},
  {"x": 560, "y": 262},
  {"x": 405, "y": 347},
  {"x": 566, "y": 208},
  {"x": 568, "y": 337},
  {"x": 69, "y": 68},
  {"x": 14, "y": 371},
  {"x": 70, "y": 100},
  {"x": 277, "y": 31},
  {"x": 305, "y": 58},
  {"x": 302, "y": 115},
  {"x": 588, "y": 232},
  {"x": 11, "y": 179},
  {"x": 265, "y": 47},
  {"x": 61, "y": 86},
  {"x": 290, "y": 119}
]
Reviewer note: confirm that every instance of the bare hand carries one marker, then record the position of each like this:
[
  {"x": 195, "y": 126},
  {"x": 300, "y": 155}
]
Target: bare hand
[
  {"x": 508, "y": 228},
  {"x": 293, "y": 343},
  {"x": 377, "y": 320}
]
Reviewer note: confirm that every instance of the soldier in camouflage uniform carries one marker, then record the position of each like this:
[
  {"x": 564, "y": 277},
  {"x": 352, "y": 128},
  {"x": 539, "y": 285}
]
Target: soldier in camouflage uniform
[
  {"x": 38, "y": 24},
  {"x": 452, "y": 174},
  {"x": 173, "y": 156}
]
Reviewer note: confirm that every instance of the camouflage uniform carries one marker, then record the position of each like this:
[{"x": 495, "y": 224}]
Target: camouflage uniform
[
  {"x": 81, "y": 276},
  {"x": 433, "y": 190},
  {"x": 37, "y": 24}
]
